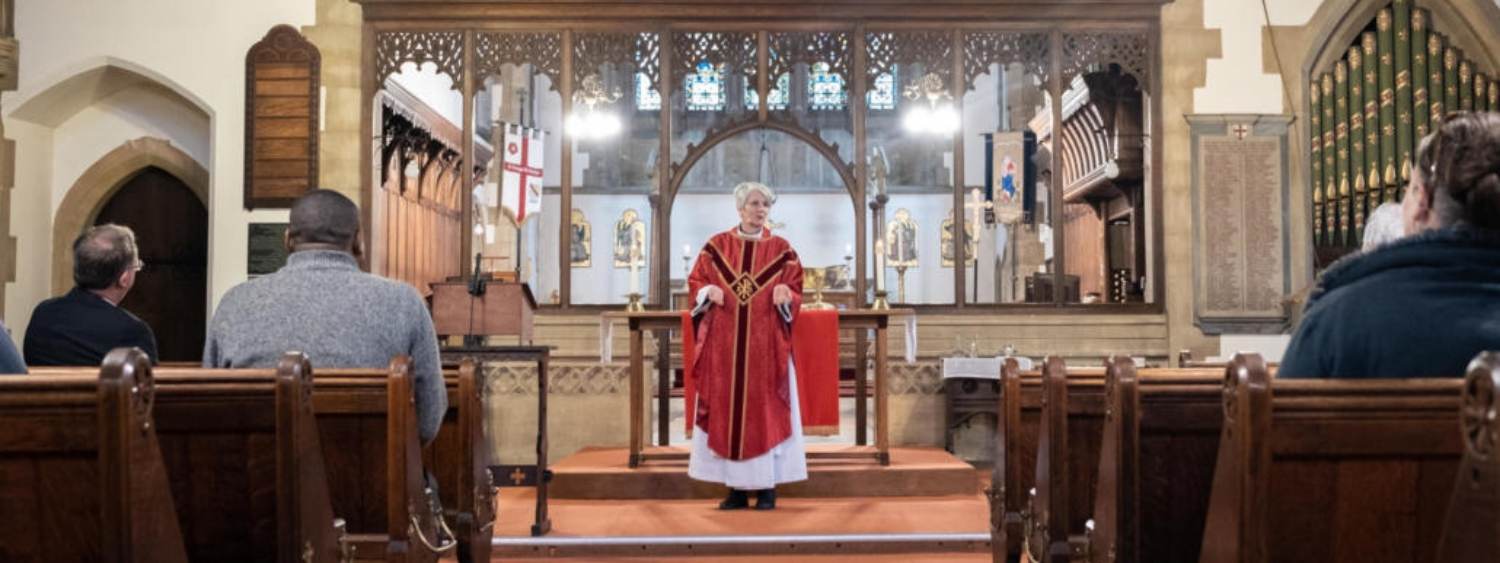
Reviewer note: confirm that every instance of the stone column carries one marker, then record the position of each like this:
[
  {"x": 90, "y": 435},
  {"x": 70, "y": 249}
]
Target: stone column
[
  {"x": 10, "y": 63},
  {"x": 338, "y": 37}
]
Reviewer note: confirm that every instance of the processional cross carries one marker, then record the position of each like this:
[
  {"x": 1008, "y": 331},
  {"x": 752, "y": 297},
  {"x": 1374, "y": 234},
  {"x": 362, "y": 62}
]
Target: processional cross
[{"x": 978, "y": 206}]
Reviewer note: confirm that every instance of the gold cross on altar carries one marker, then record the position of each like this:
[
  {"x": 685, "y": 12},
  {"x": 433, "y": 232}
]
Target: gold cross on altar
[{"x": 517, "y": 476}]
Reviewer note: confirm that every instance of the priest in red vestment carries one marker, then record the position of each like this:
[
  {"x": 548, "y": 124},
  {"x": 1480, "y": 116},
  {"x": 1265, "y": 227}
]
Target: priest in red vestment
[{"x": 747, "y": 285}]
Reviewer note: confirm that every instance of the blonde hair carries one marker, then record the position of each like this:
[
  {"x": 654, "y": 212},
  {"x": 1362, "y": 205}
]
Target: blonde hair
[{"x": 742, "y": 193}]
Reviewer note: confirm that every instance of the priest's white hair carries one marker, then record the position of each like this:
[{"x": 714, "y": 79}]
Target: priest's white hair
[{"x": 742, "y": 193}]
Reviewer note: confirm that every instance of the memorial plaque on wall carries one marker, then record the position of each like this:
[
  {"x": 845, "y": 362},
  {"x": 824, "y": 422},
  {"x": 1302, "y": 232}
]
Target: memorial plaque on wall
[
  {"x": 1241, "y": 252},
  {"x": 281, "y": 118},
  {"x": 267, "y": 251}
]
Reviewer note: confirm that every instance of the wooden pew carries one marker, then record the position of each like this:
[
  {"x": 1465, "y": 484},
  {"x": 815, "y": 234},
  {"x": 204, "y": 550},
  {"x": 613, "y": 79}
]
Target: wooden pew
[
  {"x": 1156, "y": 462},
  {"x": 1056, "y": 521},
  {"x": 1471, "y": 531},
  {"x": 247, "y": 468},
  {"x": 1331, "y": 470},
  {"x": 1019, "y": 433},
  {"x": 459, "y": 457},
  {"x": 377, "y": 483},
  {"x": 81, "y": 475}
]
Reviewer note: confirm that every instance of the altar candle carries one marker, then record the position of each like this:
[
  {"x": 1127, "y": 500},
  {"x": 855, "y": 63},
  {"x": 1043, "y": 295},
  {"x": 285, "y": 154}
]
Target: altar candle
[
  {"x": 848, "y": 250},
  {"x": 687, "y": 250},
  {"x": 634, "y": 275},
  {"x": 879, "y": 265}
]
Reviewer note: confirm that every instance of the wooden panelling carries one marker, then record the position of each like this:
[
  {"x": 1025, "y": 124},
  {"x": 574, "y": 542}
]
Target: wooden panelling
[
  {"x": 281, "y": 101},
  {"x": 419, "y": 216}
]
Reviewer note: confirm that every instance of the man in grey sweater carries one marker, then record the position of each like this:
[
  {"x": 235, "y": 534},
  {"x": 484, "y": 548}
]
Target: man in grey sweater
[{"x": 322, "y": 304}]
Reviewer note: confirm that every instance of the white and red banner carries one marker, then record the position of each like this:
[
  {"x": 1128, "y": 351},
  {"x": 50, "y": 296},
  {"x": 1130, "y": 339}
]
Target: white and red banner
[{"x": 521, "y": 171}]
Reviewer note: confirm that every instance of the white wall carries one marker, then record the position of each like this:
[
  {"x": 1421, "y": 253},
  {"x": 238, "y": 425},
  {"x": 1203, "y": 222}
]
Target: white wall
[
  {"x": 435, "y": 90},
  {"x": 124, "y": 116},
  {"x": 196, "y": 49},
  {"x": 602, "y": 282},
  {"x": 1236, "y": 83}
]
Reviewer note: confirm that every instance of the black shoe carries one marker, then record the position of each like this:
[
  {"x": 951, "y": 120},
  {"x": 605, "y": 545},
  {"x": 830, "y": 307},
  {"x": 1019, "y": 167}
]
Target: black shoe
[
  {"x": 765, "y": 499},
  {"x": 736, "y": 500}
]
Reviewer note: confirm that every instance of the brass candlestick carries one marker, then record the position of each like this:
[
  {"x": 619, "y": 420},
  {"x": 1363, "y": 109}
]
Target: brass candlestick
[
  {"x": 635, "y": 305},
  {"x": 901, "y": 284},
  {"x": 880, "y": 303}
]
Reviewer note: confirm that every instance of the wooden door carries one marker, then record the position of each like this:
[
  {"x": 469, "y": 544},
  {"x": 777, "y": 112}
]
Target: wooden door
[{"x": 171, "y": 230}]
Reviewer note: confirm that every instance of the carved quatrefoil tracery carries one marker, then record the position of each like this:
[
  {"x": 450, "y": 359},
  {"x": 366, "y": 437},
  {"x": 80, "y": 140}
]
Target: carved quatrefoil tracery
[
  {"x": 635, "y": 52},
  {"x": 736, "y": 51},
  {"x": 542, "y": 50},
  {"x": 1086, "y": 51},
  {"x": 790, "y": 49},
  {"x": 444, "y": 49},
  {"x": 984, "y": 48},
  {"x": 931, "y": 49}
]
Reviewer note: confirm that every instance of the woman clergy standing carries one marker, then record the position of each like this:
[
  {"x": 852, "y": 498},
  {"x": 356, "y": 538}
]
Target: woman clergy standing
[{"x": 747, "y": 285}]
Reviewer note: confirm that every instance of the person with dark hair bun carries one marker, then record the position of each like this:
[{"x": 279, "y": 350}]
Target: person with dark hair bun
[{"x": 1424, "y": 305}]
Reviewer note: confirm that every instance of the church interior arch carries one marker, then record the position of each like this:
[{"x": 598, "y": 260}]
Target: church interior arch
[
  {"x": 92, "y": 131},
  {"x": 815, "y": 210}
]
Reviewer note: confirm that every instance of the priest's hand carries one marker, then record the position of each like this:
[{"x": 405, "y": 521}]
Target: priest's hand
[
  {"x": 715, "y": 295},
  {"x": 781, "y": 295}
]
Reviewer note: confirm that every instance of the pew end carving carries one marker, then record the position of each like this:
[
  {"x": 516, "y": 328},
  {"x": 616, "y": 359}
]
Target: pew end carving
[
  {"x": 84, "y": 474},
  {"x": 368, "y": 422},
  {"x": 305, "y": 520},
  {"x": 1472, "y": 528},
  {"x": 1004, "y": 493},
  {"x": 1047, "y": 517},
  {"x": 1332, "y": 470}
]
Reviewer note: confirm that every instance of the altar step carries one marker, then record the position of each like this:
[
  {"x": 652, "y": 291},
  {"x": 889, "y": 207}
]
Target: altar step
[
  {"x": 919, "y": 528},
  {"x": 605, "y": 474},
  {"x": 910, "y": 547}
]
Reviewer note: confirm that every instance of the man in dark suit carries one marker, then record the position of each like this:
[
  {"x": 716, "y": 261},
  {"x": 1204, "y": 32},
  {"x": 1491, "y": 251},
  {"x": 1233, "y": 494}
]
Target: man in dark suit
[{"x": 79, "y": 328}]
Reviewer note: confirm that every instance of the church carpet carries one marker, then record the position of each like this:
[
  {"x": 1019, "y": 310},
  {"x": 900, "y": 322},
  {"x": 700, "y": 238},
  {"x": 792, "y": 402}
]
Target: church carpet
[{"x": 900, "y": 528}]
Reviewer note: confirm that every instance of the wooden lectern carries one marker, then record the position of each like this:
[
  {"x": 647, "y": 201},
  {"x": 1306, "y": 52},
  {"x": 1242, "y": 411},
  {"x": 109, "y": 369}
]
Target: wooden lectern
[{"x": 505, "y": 309}]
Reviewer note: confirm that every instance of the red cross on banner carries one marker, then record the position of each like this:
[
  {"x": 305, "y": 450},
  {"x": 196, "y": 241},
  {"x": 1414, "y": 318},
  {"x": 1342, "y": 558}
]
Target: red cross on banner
[{"x": 522, "y": 171}]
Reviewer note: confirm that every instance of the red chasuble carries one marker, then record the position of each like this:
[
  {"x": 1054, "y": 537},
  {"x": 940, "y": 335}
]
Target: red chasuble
[{"x": 743, "y": 346}]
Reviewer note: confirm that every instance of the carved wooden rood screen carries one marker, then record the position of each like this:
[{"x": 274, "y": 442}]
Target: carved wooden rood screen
[{"x": 752, "y": 47}]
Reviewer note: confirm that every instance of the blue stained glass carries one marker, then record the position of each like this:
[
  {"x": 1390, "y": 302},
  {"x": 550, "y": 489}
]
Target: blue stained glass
[
  {"x": 825, "y": 89},
  {"x": 705, "y": 88},
  {"x": 646, "y": 96},
  {"x": 883, "y": 96},
  {"x": 779, "y": 94}
]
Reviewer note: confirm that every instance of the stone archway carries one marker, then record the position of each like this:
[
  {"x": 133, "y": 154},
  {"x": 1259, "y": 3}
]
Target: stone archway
[{"x": 89, "y": 193}]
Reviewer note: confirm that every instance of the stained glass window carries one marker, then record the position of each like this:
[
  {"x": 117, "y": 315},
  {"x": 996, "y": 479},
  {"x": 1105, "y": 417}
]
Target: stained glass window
[
  {"x": 825, "y": 90},
  {"x": 883, "y": 96},
  {"x": 779, "y": 94},
  {"x": 646, "y": 96},
  {"x": 705, "y": 88}
]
